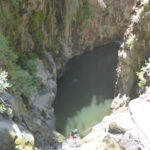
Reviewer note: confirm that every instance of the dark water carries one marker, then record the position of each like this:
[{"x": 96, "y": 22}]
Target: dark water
[{"x": 86, "y": 89}]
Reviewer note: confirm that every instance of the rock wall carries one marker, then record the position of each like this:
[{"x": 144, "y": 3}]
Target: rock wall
[
  {"x": 65, "y": 28},
  {"x": 132, "y": 54},
  {"x": 56, "y": 31},
  {"x": 107, "y": 21}
]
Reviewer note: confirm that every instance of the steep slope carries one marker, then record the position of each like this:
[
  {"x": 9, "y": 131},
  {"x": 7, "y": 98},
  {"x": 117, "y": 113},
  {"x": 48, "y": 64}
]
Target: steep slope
[{"x": 133, "y": 54}]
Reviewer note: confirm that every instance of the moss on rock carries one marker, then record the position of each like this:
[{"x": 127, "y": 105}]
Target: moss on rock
[
  {"x": 14, "y": 137},
  {"x": 35, "y": 28}
]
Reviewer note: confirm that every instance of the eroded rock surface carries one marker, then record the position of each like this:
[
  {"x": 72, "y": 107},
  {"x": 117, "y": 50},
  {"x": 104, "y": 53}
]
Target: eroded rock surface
[
  {"x": 134, "y": 51},
  {"x": 13, "y": 136}
]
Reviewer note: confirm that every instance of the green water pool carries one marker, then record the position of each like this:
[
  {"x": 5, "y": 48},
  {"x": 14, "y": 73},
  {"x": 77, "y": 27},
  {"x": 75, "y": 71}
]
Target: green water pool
[{"x": 86, "y": 89}]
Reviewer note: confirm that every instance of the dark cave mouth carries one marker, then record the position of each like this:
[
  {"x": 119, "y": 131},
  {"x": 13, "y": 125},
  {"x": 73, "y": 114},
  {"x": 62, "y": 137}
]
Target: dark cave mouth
[{"x": 86, "y": 89}]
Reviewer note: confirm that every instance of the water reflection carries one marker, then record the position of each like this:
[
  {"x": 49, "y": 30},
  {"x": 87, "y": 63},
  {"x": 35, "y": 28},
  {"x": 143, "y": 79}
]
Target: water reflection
[
  {"x": 90, "y": 74},
  {"x": 88, "y": 115}
]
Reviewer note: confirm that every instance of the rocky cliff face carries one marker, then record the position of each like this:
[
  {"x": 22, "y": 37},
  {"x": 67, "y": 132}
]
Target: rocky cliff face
[
  {"x": 58, "y": 31},
  {"x": 55, "y": 31},
  {"x": 65, "y": 28},
  {"x": 132, "y": 54},
  {"x": 128, "y": 126}
]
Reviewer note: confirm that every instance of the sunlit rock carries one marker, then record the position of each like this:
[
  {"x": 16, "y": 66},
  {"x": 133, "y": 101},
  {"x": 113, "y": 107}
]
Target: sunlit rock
[
  {"x": 140, "y": 110},
  {"x": 13, "y": 136}
]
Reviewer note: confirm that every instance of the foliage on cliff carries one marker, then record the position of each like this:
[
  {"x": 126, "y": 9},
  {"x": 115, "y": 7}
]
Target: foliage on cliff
[
  {"x": 82, "y": 13},
  {"x": 134, "y": 52},
  {"x": 142, "y": 80},
  {"x": 20, "y": 78},
  {"x": 32, "y": 22}
]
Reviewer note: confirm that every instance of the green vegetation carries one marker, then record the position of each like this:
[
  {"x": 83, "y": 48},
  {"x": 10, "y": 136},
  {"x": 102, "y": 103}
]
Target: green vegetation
[
  {"x": 21, "y": 66},
  {"x": 23, "y": 78},
  {"x": 83, "y": 14},
  {"x": 2, "y": 108},
  {"x": 81, "y": 120},
  {"x": 5, "y": 108},
  {"x": 14, "y": 3},
  {"x": 8, "y": 61},
  {"x": 142, "y": 80},
  {"x": 28, "y": 63},
  {"x": 75, "y": 6},
  {"x": 58, "y": 12},
  {"x": 131, "y": 41},
  {"x": 11, "y": 21},
  {"x": 35, "y": 28}
]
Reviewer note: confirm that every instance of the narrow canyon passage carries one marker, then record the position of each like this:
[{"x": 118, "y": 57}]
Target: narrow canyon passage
[{"x": 86, "y": 89}]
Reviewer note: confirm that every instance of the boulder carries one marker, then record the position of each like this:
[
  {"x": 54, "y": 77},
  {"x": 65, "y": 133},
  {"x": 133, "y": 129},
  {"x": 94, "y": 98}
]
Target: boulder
[
  {"x": 121, "y": 123},
  {"x": 140, "y": 110},
  {"x": 13, "y": 136},
  {"x": 10, "y": 101}
]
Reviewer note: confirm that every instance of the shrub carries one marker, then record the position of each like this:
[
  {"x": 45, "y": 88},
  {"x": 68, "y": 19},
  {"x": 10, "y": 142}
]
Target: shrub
[
  {"x": 35, "y": 28},
  {"x": 131, "y": 41},
  {"x": 14, "y": 3},
  {"x": 83, "y": 14},
  {"x": 11, "y": 21},
  {"x": 142, "y": 80},
  {"x": 75, "y": 6},
  {"x": 23, "y": 77},
  {"x": 28, "y": 62},
  {"x": 2, "y": 108}
]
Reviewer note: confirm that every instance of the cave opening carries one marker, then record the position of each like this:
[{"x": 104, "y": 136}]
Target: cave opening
[{"x": 86, "y": 89}]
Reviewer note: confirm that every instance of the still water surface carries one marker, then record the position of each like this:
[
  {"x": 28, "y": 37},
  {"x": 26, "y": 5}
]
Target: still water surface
[{"x": 86, "y": 89}]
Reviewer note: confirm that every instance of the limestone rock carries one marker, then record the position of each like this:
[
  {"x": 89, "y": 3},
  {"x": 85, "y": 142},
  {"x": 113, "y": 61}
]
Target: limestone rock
[
  {"x": 140, "y": 110},
  {"x": 121, "y": 123}
]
